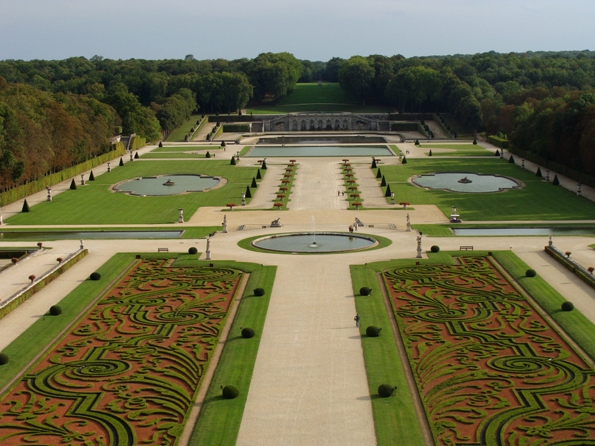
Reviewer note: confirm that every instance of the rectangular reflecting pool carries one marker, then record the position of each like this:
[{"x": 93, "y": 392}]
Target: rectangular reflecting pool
[
  {"x": 67, "y": 235},
  {"x": 319, "y": 151},
  {"x": 522, "y": 231}
]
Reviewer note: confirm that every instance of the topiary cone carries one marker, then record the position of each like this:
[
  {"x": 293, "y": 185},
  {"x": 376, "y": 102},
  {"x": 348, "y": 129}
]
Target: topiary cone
[
  {"x": 25, "y": 206},
  {"x": 121, "y": 161},
  {"x": 388, "y": 191},
  {"x": 383, "y": 181},
  {"x": 73, "y": 185},
  {"x": 254, "y": 183},
  {"x": 233, "y": 161},
  {"x": 91, "y": 176},
  {"x": 248, "y": 193}
]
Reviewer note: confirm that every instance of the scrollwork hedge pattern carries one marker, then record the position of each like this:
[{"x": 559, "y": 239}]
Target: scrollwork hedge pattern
[
  {"x": 490, "y": 369},
  {"x": 128, "y": 372}
]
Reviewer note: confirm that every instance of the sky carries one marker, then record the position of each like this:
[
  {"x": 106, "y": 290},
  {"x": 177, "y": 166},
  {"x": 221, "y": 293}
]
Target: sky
[{"x": 315, "y": 30}]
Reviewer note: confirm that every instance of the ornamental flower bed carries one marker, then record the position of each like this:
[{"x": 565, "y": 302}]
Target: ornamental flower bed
[
  {"x": 129, "y": 371},
  {"x": 489, "y": 368}
]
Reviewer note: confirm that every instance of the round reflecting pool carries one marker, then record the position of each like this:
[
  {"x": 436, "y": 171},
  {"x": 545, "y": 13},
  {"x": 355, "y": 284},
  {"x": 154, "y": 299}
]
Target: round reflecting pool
[
  {"x": 466, "y": 182},
  {"x": 167, "y": 185},
  {"x": 315, "y": 242}
]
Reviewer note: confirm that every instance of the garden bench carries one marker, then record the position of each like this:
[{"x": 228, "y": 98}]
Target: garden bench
[
  {"x": 466, "y": 248},
  {"x": 162, "y": 249}
]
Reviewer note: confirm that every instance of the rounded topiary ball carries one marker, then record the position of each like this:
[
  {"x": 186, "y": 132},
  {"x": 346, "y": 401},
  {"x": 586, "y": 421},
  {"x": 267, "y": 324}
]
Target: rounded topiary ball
[
  {"x": 372, "y": 331},
  {"x": 55, "y": 310},
  {"x": 3, "y": 358},
  {"x": 365, "y": 291},
  {"x": 435, "y": 248},
  {"x": 530, "y": 273},
  {"x": 567, "y": 306},
  {"x": 192, "y": 250},
  {"x": 386, "y": 390},
  {"x": 259, "y": 291},
  {"x": 247, "y": 333},
  {"x": 95, "y": 276},
  {"x": 230, "y": 392}
]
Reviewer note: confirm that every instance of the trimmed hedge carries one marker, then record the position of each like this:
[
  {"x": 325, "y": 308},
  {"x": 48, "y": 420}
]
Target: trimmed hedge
[
  {"x": 95, "y": 276},
  {"x": 192, "y": 250},
  {"x": 55, "y": 310},
  {"x": 567, "y": 306},
  {"x": 530, "y": 273},
  {"x": 259, "y": 292},
  {"x": 247, "y": 333},
  {"x": 386, "y": 390},
  {"x": 373, "y": 331},
  {"x": 365, "y": 291},
  {"x": 230, "y": 392},
  {"x": 435, "y": 248}
]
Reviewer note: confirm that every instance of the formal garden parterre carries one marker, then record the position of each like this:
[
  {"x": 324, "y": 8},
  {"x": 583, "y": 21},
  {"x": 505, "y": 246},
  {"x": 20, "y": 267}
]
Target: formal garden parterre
[
  {"x": 489, "y": 367},
  {"x": 129, "y": 371}
]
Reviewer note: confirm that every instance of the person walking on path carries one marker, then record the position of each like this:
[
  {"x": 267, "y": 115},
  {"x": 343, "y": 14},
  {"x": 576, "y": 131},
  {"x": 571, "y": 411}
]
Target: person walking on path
[{"x": 356, "y": 319}]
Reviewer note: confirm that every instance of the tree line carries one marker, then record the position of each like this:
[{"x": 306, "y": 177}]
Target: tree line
[{"x": 540, "y": 102}]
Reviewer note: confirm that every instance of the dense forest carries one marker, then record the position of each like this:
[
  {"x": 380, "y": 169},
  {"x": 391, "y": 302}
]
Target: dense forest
[{"x": 57, "y": 113}]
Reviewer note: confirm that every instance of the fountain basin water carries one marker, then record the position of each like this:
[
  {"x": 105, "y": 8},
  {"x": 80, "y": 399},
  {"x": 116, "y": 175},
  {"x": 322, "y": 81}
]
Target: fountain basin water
[
  {"x": 319, "y": 151},
  {"x": 155, "y": 186},
  {"x": 315, "y": 243},
  {"x": 466, "y": 182}
]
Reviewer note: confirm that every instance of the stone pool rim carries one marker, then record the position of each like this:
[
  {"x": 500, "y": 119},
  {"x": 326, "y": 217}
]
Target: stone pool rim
[
  {"x": 114, "y": 187},
  {"x": 519, "y": 183},
  {"x": 381, "y": 242}
]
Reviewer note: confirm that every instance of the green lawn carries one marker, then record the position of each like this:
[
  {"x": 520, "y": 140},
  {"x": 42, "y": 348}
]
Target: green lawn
[
  {"x": 456, "y": 150},
  {"x": 537, "y": 200},
  {"x": 182, "y": 148},
  {"x": 180, "y": 133},
  {"x": 96, "y": 204},
  {"x": 310, "y": 97}
]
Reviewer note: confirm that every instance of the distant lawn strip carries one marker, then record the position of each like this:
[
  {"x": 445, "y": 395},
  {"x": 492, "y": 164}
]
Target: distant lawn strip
[
  {"x": 351, "y": 187},
  {"x": 179, "y": 134},
  {"x": 96, "y": 204},
  {"x": 537, "y": 200},
  {"x": 188, "y": 155},
  {"x": 309, "y": 93},
  {"x": 220, "y": 419},
  {"x": 457, "y": 150},
  {"x": 182, "y": 148},
  {"x": 130, "y": 369},
  {"x": 188, "y": 232},
  {"x": 490, "y": 369},
  {"x": 274, "y": 110}
]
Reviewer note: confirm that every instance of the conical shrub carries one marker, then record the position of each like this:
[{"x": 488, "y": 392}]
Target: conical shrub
[
  {"x": 388, "y": 191},
  {"x": 264, "y": 165},
  {"x": 430, "y": 154},
  {"x": 73, "y": 184},
  {"x": 374, "y": 163},
  {"x": 25, "y": 206},
  {"x": 383, "y": 182},
  {"x": 121, "y": 161},
  {"x": 404, "y": 160},
  {"x": 248, "y": 193},
  {"x": 136, "y": 156},
  {"x": 511, "y": 159},
  {"x": 258, "y": 175},
  {"x": 233, "y": 161},
  {"x": 538, "y": 173},
  {"x": 91, "y": 176},
  {"x": 379, "y": 174},
  {"x": 254, "y": 183},
  {"x": 556, "y": 181}
]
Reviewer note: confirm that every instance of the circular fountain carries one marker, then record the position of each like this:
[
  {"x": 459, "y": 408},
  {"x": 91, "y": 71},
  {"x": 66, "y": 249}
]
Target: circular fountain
[
  {"x": 466, "y": 182},
  {"x": 315, "y": 242}
]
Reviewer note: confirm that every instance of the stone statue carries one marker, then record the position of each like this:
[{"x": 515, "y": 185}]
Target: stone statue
[
  {"x": 408, "y": 223},
  {"x": 419, "y": 246},
  {"x": 208, "y": 251},
  {"x": 224, "y": 224}
]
